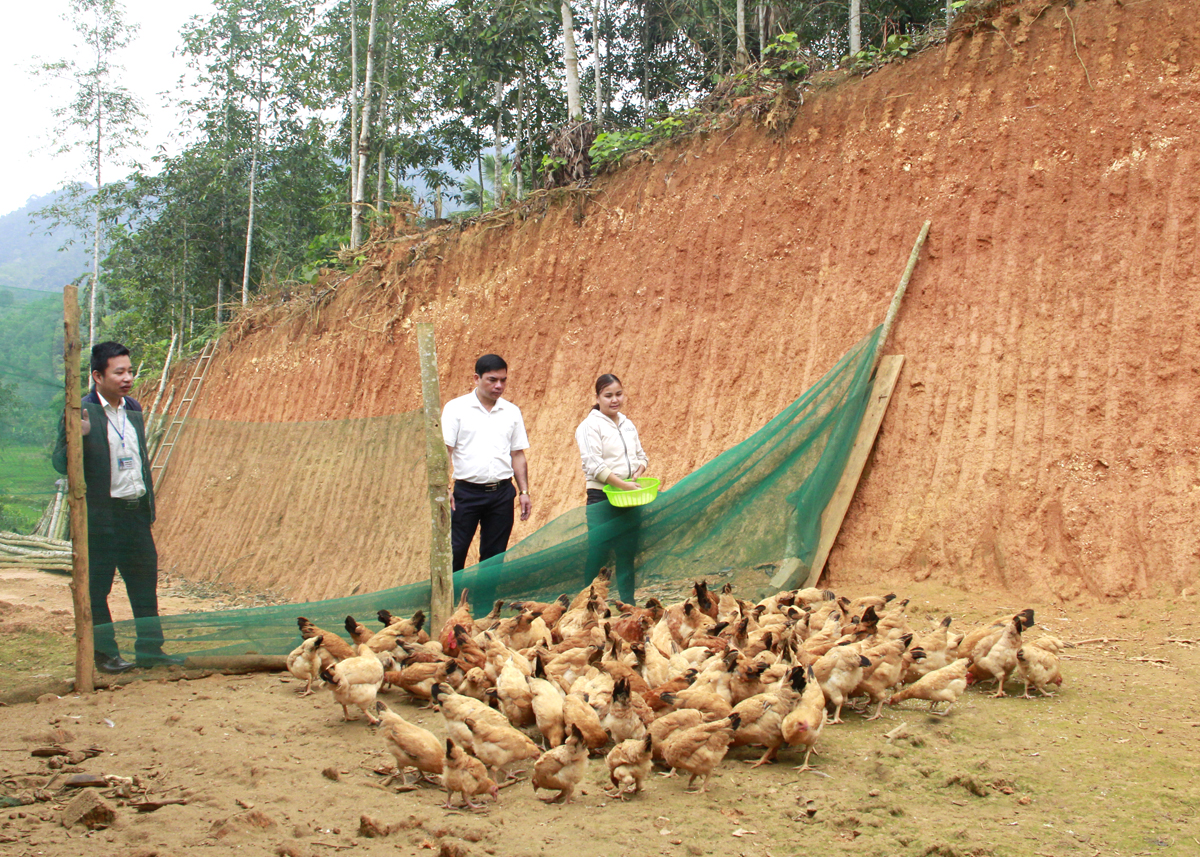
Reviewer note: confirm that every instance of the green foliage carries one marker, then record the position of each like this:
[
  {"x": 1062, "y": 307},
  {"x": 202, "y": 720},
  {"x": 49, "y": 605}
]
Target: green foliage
[
  {"x": 895, "y": 47},
  {"x": 611, "y": 146},
  {"x": 785, "y": 50}
]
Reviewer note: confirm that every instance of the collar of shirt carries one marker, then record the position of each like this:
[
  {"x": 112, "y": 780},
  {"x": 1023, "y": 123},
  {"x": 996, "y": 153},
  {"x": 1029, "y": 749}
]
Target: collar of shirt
[{"x": 499, "y": 406}]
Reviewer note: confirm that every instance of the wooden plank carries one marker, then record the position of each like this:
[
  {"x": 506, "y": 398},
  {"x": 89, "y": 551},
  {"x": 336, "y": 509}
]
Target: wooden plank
[
  {"x": 839, "y": 503},
  {"x": 793, "y": 573}
]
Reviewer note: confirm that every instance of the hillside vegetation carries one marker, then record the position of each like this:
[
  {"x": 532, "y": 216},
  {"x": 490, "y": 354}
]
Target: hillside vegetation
[{"x": 1039, "y": 440}]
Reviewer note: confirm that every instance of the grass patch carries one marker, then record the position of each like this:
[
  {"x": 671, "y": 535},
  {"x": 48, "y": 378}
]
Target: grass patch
[
  {"x": 26, "y": 485},
  {"x": 33, "y": 657}
]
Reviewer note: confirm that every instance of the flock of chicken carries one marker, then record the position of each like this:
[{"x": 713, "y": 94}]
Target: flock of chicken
[{"x": 677, "y": 684}]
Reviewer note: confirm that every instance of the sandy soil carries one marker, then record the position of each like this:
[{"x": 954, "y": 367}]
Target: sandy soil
[
  {"x": 1107, "y": 767},
  {"x": 1041, "y": 438}
]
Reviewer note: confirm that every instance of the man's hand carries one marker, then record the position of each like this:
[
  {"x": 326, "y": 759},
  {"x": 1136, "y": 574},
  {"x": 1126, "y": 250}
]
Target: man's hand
[
  {"x": 85, "y": 421},
  {"x": 526, "y": 506},
  {"x": 451, "y": 496}
]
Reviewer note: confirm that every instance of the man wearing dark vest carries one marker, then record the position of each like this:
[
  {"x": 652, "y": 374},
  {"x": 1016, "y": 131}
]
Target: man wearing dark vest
[{"x": 120, "y": 506}]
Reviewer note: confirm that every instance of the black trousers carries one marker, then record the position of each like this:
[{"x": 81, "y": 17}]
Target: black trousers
[
  {"x": 128, "y": 547},
  {"x": 491, "y": 512},
  {"x": 615, "y": 532}
]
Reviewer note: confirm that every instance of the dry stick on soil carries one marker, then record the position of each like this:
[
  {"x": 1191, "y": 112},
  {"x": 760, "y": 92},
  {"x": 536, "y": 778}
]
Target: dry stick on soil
[
  {"x": 1108, "y": 640},
  {"x": 1075, "y": 45}
]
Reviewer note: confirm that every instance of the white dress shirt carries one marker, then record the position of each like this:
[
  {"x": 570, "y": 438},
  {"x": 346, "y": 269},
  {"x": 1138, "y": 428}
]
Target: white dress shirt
[
  {"x": 125, "y": 484},
  {"x": 481, "y": 441}
]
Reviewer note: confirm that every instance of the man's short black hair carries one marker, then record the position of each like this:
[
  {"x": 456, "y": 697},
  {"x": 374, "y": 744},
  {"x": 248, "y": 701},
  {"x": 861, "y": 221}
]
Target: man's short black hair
[
  {"x": 489, "y": 363},
  {"x": 102, "y": 352}
]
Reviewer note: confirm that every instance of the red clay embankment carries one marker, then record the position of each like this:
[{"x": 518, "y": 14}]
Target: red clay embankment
[{"x": 1042, "y": 437}]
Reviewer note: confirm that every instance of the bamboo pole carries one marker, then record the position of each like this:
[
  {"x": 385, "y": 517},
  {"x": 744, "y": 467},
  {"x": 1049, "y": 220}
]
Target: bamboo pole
[
  {"x": 441, "y": 579},
  {"x": 85, "y": 652},
  {"x": 889, "y": 320}
]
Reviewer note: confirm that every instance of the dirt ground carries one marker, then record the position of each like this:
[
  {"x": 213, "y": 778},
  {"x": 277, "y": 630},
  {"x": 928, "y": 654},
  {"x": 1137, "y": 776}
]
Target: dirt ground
[{"x": 1107, "y": 767}]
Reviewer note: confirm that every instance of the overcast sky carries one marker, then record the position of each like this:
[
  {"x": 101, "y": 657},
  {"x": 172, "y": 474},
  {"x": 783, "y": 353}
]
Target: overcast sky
[{"x": 37, "y": 31}]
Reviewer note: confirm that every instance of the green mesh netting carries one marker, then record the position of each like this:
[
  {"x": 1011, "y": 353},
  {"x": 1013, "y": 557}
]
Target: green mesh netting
[{"x": 733, "y": 519}]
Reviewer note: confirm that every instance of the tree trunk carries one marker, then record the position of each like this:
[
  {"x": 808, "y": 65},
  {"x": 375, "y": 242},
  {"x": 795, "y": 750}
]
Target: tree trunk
[
  {"x": 518, "y": 163},
  {"x": 597, "y": 13},
  {"x": 743, "y": 56},
  {"x": 571, "y": 62},
  {"x": 364, "y": 140},
  {"x": 96, "y": 224},
  {"x": 354, "y": 223},
  {"x": 220, "y": 289},
  {"x": 479, "y": 161},
  {"x": 645, "y": 60},
  {"x": 381, "y": 172},
  {"x": 84, "y": 642},
  {"x": 498, "y": 166},
  {"x": 762, "y": 29},
  {"x": 250, "y": 214},
  {"x": 437, "y": 471},
  {"x": 855, "y": 26}
]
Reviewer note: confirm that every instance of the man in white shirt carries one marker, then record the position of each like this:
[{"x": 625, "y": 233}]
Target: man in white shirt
[
  {"x": 486, "y": 438},
  {"x": 120, "y": 509}
]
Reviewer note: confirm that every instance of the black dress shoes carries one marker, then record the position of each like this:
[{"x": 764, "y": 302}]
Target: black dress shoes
[
  {"x": 112, "y": 664},
  {"x": 159, "y": 660}
]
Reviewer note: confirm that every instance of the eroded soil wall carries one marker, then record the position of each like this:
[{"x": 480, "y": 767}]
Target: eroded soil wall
[{"x": 1042, "y": 436}]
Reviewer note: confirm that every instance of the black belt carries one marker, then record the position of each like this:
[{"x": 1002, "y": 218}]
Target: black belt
[
  {"x": 483, "y": 486},
  {"x": 127, "y": 504}
]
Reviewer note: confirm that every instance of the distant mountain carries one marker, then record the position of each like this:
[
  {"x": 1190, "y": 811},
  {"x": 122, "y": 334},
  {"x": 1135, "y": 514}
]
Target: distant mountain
[{"x": 30, "y": 259}]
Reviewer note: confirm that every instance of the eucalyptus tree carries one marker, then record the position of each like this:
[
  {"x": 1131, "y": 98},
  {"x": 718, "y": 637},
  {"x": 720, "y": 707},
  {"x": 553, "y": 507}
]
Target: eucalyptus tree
[
  {"x": 103, "y": 117},
  {"x": 255, "y": 60}
]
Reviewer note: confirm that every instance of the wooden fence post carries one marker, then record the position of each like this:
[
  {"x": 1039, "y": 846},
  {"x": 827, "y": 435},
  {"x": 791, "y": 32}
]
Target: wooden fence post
[
  {"x": 85, "y": 650},
  {"x": 441, "y": 579}
]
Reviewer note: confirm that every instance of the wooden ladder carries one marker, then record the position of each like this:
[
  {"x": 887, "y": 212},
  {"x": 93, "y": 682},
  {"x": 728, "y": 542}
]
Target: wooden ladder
[{"x": 163, "y": 455}]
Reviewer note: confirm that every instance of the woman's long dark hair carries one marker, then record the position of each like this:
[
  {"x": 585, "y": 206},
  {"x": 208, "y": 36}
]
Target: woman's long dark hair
[{"x": 602, "y": 382}]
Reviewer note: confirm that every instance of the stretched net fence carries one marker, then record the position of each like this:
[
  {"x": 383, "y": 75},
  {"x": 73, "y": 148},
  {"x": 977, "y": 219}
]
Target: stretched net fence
[{"x": 734, "y": 520}]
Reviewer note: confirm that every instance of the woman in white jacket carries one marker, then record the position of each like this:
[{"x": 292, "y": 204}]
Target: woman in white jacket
[{"x": 612, "y": 454}]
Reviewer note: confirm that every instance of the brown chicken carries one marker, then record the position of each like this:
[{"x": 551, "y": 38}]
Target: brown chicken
[
  {"x": 625, "y": 718},
  {"x": 551, "y": 612},
  {"x": 628, "y": 765},
  {"x": 412, "y": 746},
  {"x": 711, "y": 704},
  {"x": 305, "y": 663},
  {"x": 700, "y": 749},
  {"x": 456, "y": 709},
  {"x": 1037, "y": 664},
  {"x": 561, "y": 768},
  {"x": 499, "y": 746},
  {"x": 839, "y": 671},
  {"x": 761, "y": 716},
  {"x": 998, "y": 660},
  {"x": 410, "y": 629},
  {"x": 578, "y": 714},
  {"x": 355, "y": 681},
  {"x": 667, "y": 724},
  {"x": 460, "y": 616},
  {"x": 465, "y": 774},
  {"x": 333, "y": 647},
  {"x": 884, "y": 673},
  {"x": 513, "y": 694},
  {"x": 944, "y": 685},
  {"x": 803, "y": 724}
]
